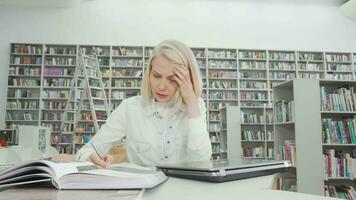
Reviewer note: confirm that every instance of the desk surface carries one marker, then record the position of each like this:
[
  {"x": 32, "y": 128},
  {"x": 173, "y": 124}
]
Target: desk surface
[{"x": 172, "y": 189}]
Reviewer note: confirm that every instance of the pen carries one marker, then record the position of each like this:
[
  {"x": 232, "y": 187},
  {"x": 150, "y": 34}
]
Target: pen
[{"x": 96, "y": 151}]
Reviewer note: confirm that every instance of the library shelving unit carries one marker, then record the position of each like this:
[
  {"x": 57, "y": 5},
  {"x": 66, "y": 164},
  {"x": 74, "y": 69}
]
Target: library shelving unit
[
  {"x": 297, "y": 128},
  {"x": 58, "y": 70},
  {"x": 222, "y": 90},
  {"x": 227, "y": 143},
  {"x": 40, "y": 75},
  {"x": 24, "y": 85},
  {"x": 339, "y": 66},
  {"x": 256, "y": 114},
  {"x": 310, "y": 65},
  {"x": 338, "y": 112},
  {"x": 127, "y": 69}
]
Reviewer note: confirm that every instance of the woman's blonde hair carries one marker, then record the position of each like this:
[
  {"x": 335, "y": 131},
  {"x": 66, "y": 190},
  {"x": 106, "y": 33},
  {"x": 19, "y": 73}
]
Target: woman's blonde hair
[{"x": 178, "y": 53}]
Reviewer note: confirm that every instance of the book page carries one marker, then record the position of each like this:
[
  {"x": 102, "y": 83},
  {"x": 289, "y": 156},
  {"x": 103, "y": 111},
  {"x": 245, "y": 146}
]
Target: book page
[{"x": 61, "y": 168}]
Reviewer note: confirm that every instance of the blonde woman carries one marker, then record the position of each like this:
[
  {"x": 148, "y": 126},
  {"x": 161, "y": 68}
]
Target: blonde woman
[{"x": 167, "y": 123}]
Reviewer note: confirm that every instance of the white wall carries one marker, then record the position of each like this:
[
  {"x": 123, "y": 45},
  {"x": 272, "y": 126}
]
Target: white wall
[{"x": 268, "y": 24}]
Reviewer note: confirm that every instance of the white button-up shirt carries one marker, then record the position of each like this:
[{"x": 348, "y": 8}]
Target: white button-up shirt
[{"x": 148, "y": 142}]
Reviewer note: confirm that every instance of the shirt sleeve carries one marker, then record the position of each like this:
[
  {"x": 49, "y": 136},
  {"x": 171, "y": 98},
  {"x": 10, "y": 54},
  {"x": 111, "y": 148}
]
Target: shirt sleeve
[
  {"x": 109, "y": 134},
  {"x": 199, "y": 146}
]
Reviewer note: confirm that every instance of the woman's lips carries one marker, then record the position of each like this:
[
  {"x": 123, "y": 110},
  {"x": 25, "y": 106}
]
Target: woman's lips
[{"x": 161, "y": 95}]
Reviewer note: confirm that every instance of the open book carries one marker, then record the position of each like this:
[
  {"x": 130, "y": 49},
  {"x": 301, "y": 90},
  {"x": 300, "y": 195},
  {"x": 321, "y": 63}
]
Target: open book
[{"x": 81, "y": 175}]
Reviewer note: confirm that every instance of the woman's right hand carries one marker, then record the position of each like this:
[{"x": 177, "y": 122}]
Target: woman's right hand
[{"x": 101, "y": 163}]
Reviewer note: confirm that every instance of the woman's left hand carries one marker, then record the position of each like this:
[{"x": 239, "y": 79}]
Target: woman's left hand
[{"x": 182, "y": 77}]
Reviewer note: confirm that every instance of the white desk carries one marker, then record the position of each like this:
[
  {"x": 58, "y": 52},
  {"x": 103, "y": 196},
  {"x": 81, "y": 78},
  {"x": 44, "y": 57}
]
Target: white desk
[
  {"x": 247, "y": 189},
  {"x": 172, "y": 189}
]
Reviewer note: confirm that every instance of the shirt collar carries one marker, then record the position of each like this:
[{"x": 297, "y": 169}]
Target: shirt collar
[{"x": 149, "y": 108}]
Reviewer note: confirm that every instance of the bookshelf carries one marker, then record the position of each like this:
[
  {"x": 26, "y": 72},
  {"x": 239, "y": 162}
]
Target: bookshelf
[
  {"x": 338, "y": 111},
  {"x": 226, "y": 145},
  {"x": 297, "y": 131},
  {"x": 222, "y": 91},
  {"x": 243, "y": 77}
]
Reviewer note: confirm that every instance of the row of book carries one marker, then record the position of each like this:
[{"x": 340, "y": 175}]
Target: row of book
[
  {"x": 95, "y": 50},
  {"x": 341, "y": 99},
  {"x": 310, "y": 66},
  {"x": 215, "y": 137},
  {"x": 222, "y": 84},
  {"x": 214, "y": 127},
  {"x": 217, "y": 148},
  {"x": 253, "y": 84},
  {"x": 220, "y": 95},
  {"x": 281, "y": 75},
  {"x": 258, "y": 152},
  {"x": 52, "y": 126},
  {"x": 58, "y": 50},
  {"x": 340, "y": 192},
  {"x": 21, "y": 116},
  {"x": 338, "y": 58},
  {"x": 281, "y": 65},
  {"x": 59, "y": 61},
  {"x": 22, "y": 105},
  {"x": 252, "y": 55},
  {"x": 222, "y": 54},
  {"x": 62, "y": 82},
  {"x": 26, "y": 49},
  {"x": 253, "y": 96},
  {"x": 311, "y": 56},
  {"x": 82, "y": 139},
  {"x": 287, "y": 151},
  {"x": 340, "y": 131},
  {"x": 23, "y": 82},
  {"x": 339, "y": 164},
  {"x": 58, "y": 116},
  {"x": 58, "y": 71},
  {"x": 126, "y": 83},
  {"x": 222, "y": 64},
  {"x": 252, "y": 65},
  {"x": 22, "y": 93},
  {"x": 253, "y": 75},
  {"x": 89, "y": 117},
  {"x": 222, "y": 74},
  {"x": 25, "y": 71},
  {"x": 126, "y": 72},
  {"x": 281, "y": 56},
  {"x": 54, "y": 105},
  {"x": 339, "y": 67},
  {"x": 28, "y": 60},
  {"x": 215, "y": 116},
  {"x": 123, "y": 62},
  {"x": 255, "y": 118},
  {"x": 127, "y": 51},
  {"x": 339, "y": 76},
  {"x": 256, "y": 135},
  {"x": 313, "y": 75},
  {"x": 55, "y": 94},
  {"x": 284, "y": 111}
]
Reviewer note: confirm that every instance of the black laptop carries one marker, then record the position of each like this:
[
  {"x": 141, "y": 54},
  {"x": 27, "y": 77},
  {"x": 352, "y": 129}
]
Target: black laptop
[{"x": 221, "y": 171}]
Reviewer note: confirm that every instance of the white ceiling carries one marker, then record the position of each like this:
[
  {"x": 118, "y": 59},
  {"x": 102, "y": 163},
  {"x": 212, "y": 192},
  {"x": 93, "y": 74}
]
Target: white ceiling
[
  {"x": 69, "y": 3},
  {"x": 39, "y": 3}
]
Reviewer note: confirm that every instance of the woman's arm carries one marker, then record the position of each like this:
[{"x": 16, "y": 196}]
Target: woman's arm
[{"x": 199, "y": 146}]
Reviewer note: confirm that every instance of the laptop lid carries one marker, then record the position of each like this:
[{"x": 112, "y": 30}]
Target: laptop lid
[{"x": 220, "y": 171}]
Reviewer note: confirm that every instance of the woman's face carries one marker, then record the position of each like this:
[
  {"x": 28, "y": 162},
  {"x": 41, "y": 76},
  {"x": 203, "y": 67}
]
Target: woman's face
[{"x": 163, "y": 85}]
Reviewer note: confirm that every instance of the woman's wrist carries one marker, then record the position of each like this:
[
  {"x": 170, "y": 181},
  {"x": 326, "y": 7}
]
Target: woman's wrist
[{"x": 193, "y": 108}]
